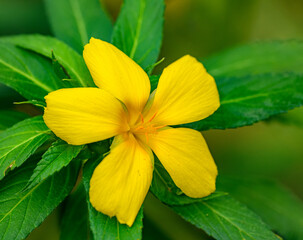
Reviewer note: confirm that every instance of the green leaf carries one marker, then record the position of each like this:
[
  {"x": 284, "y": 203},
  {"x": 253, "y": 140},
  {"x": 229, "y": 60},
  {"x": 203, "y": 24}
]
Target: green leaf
[
  {"x": 258, "y": 58},
  {"x": 76, "y": 21},
  {"x": 103, "y": 227},
  {"x": 154, "y": 79},
  {"x": 250, "y": 99},
  {"x": 19, "y": 142},
  {"x": 74, "y": 221},
  {"x": 22, "y": 211},
  {"x": 58, "y": 69},
  {"x": 39, "y": 104},
  {"x": 225, "y": 219},
  {"x": 9, "y": 117},
  {"x": 72, "y": 62},
  {"x": 166, "y": 191},
  {"x": 53, "y": 160},
  {"x": 138, "y": 30},
  {"x": 276, "y": 205},
  {"x": 29, "y": 74}
]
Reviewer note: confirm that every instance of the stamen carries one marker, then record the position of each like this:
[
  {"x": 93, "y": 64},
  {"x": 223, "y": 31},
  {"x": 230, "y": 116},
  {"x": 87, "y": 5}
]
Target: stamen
[
  {"x": 139, "y": 128},
  {"x": 142, "y": 118},
  {"x": 146, "y": 128},
  {"x": 152, "y": 117}
]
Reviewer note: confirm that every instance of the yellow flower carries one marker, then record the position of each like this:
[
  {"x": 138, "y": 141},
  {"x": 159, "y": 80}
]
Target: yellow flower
[{"x": 122, "y": 107}]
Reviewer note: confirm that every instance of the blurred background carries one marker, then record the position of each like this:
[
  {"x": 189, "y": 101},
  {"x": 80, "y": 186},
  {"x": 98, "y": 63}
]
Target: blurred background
[{"x": 273, "y": 148}]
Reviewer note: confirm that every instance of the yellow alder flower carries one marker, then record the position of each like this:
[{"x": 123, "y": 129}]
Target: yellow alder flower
[{"x": 123, "y": 107}]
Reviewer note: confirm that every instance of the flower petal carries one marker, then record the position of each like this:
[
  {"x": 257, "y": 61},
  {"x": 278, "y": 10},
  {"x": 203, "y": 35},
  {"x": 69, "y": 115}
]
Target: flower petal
[
  {"x": 121, "y": 181},
  {"x": 186, "y": 93},
  {"x": 115, "y": 72},
  {"x": 186, "y": 157},
  {"x": 84, "y": 115}
]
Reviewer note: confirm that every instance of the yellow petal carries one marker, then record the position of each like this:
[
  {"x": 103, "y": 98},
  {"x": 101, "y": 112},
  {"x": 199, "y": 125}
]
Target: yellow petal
[
  {"x": 186, "y": 93},
  {"x": 118, "y": 74},
  {"x": 84, "y": 115},
  {"x": 186, "y": 157},
  {"x": 121, "y": 181}
]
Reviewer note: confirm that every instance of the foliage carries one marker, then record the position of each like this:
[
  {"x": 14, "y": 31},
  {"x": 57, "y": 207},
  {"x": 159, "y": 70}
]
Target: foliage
[
  {"x": 75, "y": 207},
  {"x": 21, "y": 141},
  {"x": 224, "y": 218},
  {"x": 254, "y": 81},
  {"x": 72, "y": 62},
  {"x": 31, "y": 75},
  {"x": 277, "y": 206},
  {"x": 138, "y": 30},
  {"x": 75, "y": 22},
  {"x": 22, "y": 211},
  {"x": 9, "y": 118},
  {"x": 59, "y": 155}
]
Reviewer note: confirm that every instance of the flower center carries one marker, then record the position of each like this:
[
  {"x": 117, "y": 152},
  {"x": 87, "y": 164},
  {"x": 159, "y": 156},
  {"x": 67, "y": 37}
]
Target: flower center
[{"x": 145, "y": 127}]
